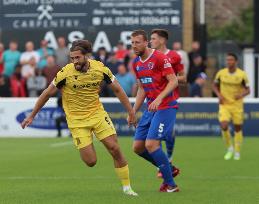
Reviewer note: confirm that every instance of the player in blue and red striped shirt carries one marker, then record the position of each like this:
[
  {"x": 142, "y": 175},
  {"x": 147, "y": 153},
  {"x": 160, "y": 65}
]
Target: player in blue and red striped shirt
[
  {"x": 156, "y": 82},
  {"x": 158, "y": 41}
]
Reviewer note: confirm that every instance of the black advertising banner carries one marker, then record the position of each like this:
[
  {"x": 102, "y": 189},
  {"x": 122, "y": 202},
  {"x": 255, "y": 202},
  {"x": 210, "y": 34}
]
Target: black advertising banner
[{"x": 104, "y": 22}]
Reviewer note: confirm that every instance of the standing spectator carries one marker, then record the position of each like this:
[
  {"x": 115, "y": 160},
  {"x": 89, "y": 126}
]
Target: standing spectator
[
  {"x": 177, "y": 46},
  {"x": 195, "y": 69},
  {"x": 44, "y": 52},
  {"x": 196, "y": 51},
  {"x": 27, "y": 60},
  {"x": 121, "y": 52},
  {"x": 126, "y": 80},
  {"x": 36, "y": 84},
  {"x": 62, "y": 53},
  {"x": 1, "y": 56},
  {"x": 10, "y": 58},
  {"x": 17, "y": 83},
  {"x": 196, "y": 86},
  {"x": 102, "y": 55},
  {"x": 5, "y": 90},
  {"x": 51, "y": 69}
]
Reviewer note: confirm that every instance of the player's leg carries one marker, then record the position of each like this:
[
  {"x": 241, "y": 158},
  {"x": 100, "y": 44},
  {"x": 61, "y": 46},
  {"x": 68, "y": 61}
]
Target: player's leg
[
  {"x": 161, "y": 126},
  {"x": 105, "y": 132},
  {"x": 238, "y": 135},
  {"x": 141, "y": 135},
  {"x": 82, "y": 138},
  {"x": 224, "y": 118}
]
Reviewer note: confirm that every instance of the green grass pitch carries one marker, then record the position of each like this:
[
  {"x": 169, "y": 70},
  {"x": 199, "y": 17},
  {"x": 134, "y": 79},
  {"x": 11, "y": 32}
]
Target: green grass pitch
[{"x": 50, "y": 171}]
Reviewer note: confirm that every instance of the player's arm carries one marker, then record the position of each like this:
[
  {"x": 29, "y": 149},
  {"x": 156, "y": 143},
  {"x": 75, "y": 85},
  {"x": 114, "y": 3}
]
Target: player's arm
[
  {"x": 216, "y": 88},
  {"x": 181, "y": 77},
  {"x": 140, "y": 97},
  {"x": 171, "y": 85},
  {"x": 51, "y": 90},
  {"x": 246, "y": 90},
  {"x": 121, "y": 95}
]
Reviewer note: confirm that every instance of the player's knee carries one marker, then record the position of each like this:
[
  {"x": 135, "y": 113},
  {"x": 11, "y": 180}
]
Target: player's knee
[
  {"x": 224, "y": 126},
  {"x": 114, "y": 149},
  {"x": 138, "y": 149},
  {"x": 150, "y": 147},
  {"x": 90, "y": 163}
]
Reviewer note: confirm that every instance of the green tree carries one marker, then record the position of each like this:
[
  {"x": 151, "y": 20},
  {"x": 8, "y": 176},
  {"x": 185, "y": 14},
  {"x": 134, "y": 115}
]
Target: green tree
[{"x": 240, "y": 30}]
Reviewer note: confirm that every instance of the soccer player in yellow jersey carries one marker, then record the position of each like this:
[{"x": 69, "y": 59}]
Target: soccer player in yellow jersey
[
  {"x": 231, "y": 86},
  {"x": 80, "y": 82}
]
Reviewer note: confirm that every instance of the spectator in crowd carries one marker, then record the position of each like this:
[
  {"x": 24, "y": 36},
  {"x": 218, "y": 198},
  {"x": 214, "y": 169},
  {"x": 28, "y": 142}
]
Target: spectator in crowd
[
  {"x": 113, "y": 63},
  {"x": 196, "y": 51},
  {"x": 132, "y": 57},
  {"x": 28, "y": 69},
  {"x": 44, "y": 52},
  {"x": 10, "y": 58},
  {"x": 18, "y": 83},
  {"x": 196, "y": 86},
  {"x": 102, "y": 55},
  {"x": 36, "y": 84},
  {"x": 197, "y": 67},
  {"x": 120, "y": 52},
  {"x": 177, "y": 46},
  {"x": 51, "y": 69},
  {"x": 1, "y": 56},
  {"x": 5, "y": 90},
  {"x": 27, "y": 60},
  {"x": 126, "y": 80},
  {"x": 62, "y": 53}
]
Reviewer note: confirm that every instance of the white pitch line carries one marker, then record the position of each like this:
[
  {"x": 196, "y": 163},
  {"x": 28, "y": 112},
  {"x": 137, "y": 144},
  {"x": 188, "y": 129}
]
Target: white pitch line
[{"x": 60, "y": 144}]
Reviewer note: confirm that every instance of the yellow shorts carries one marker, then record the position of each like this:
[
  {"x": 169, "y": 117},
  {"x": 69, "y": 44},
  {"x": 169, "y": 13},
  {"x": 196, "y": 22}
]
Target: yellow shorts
[
  {"x": 99, "y": 125},
  {"x": 230, "y": 113}
]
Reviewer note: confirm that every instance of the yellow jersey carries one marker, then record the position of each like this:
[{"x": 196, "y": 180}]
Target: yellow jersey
[
  {"x": 231, "y": 84},
  {"x": 80, "y": 91}
]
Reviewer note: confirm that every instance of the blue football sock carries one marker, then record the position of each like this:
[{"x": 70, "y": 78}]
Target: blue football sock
[
  {"x": 162, "y": 162},
  {"x": 148, "y": 157},
  {"x": 170, "y": 147}
]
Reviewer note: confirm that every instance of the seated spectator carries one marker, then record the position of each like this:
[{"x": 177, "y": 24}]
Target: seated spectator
[
  {"x": 28, "y": 70},
  {"x": 197, "y": 67},
  {"x": 126, "y": 80},
  {"x": 44, "y": 52},
  {"x": 18, "y": 83},
  {"x": 1, "y": 57},
  {"x": 5, "y": 90},
  {"x": 36, "y": 84},
  {"x": 11, "y": 58},
  {"x": 196, "y": 87},
  {"x": 102, "y": 55},
  {"x": 51, "y": 69},
  {"x": 113, "y": 63}
]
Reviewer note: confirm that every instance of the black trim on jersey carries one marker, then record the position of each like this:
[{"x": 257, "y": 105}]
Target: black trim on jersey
[
  {"x": 244, "y": 83},
  {"x": 61, "y": 83},
  {"x": 107, "y": 79}
]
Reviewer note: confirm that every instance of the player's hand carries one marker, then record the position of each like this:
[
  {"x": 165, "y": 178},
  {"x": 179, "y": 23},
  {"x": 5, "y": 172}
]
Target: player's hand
[
  {"x": 132, "y": 119},
  {"x": 26, "y": 122},
  {"x": 239, "y": 96},
  {"x": 154, "y": 105}
]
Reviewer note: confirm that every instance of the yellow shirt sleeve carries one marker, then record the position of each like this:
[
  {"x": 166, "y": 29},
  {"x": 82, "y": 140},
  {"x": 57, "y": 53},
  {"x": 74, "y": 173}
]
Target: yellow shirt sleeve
[
  {"x": 245, "y": 80},
  {"x": 108, "y": 77},
  {"x": 60, "y": 79},
  {"x": 217, "y": 78}
]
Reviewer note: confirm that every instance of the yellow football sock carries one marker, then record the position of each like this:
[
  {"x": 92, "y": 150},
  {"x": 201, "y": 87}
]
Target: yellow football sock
[
  {"x": 227, "y": 137},
  {"x": 123, "y": 174},
  {"x": 238, "y": 138}
]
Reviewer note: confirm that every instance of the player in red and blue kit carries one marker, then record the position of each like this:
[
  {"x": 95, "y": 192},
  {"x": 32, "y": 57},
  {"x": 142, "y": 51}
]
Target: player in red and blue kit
[
  {"x": 156, "y": 82},
  {"x": 158, "y": 41}
]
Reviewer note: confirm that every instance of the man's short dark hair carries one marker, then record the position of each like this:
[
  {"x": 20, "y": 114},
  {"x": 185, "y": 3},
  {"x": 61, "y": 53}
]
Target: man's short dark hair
[
  {"x": 140, "y": 32},
  {"x": 233, "y": 55},
  {"x": 161, "y": 33},
  {"x": 83, "y": 45}
]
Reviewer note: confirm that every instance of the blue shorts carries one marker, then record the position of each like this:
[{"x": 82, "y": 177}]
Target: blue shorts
[{"x": 157, "y": 125}]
